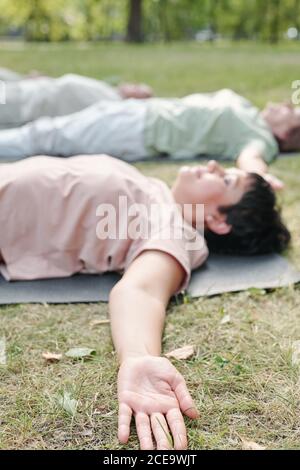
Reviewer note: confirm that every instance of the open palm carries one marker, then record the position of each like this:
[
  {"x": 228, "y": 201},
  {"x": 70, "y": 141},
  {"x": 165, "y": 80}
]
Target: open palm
[{"x": 154, "y": 391}]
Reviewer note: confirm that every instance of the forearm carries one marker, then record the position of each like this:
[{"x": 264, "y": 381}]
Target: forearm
[
  {"x": 251, "y": 161},
  {"x": 137, "y": 321}
]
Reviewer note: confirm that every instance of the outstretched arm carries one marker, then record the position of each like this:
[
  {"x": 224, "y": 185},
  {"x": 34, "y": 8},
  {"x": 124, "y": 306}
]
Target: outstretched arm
[
  {"x": 251, "y": 160},
  {"x": 149, "y": 386}
]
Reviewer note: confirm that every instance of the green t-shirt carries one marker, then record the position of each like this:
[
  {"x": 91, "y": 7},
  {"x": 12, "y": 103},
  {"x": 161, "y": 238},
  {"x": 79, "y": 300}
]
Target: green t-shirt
[{"x": 217, "y": 124}]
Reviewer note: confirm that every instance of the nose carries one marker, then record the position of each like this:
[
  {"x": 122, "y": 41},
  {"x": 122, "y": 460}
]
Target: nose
[{"x": 214, "y": 167}]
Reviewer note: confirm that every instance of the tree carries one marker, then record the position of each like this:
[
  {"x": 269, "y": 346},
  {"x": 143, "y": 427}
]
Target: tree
[
  {"x": 151, "y": 20},
  {"x": 275, "y": 21},
  {"x": 135, "y": 19}
]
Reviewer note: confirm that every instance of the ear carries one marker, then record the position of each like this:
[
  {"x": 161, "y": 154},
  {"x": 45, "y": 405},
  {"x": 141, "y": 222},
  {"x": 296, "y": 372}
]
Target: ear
[
  {"x": 282, "y": 135},
  {"x": 217, "y": 224}
]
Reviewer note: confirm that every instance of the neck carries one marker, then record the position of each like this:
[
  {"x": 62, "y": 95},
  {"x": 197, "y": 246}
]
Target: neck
[{"x": 187, "y": 210}]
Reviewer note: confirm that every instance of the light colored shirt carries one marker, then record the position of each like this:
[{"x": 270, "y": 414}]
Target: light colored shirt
[
  {"x": 51, "y": 227},
  {"x": 217, "y": 124}
]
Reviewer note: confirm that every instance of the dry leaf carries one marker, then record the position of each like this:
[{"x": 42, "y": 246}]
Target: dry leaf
[
  {"x": 100, "y": 410},
  {"x": 182, "y": 353},
  {"x": 225, "y": 319},
  {"x": 251, "y": 445},
  {"x": 99, "y": 322},
  {"x": 78, "y": 353},
  {"x": 2, "y": 352},
  {"x": 296, "y": 353},
  {"x": 52, "y": 357}
]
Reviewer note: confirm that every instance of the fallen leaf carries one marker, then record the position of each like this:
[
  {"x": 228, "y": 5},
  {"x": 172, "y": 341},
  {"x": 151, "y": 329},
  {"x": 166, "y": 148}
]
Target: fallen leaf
[
  {"x": 52, "y": 357},
  {"x": 99, "y": 322},
  {"x": 68, "y": 403},
  {"x": 2, "y": 351},
  {"x": 296, "y": 353},
  {"x": 100, "y": 410},
  {"x": 182, "y": 353},
  {"x": 225, "y": 319},
  {"x": 251, "y": 445},
  {"x": 78, "y": 353}
]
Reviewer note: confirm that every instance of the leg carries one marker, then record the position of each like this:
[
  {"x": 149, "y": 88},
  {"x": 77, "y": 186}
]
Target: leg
[
  {"x": 8, "y": 75},
  {"x": 28, "y": 99},
  {"x": 114, "y": 128},
  {"x": 25, "y": 101}
]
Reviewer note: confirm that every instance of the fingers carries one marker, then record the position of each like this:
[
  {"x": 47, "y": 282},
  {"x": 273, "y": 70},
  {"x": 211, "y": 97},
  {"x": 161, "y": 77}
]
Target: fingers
[
  {"x": 143, "y": 428},
  {"x": 276, "y": 183},
  {"x": 211, "y": 165},
  {"x": 177, "y": 427},
  {"x": 184, "y": 398},
  {"x": 161, "y": 432},
  {"x": 125, "y": 414}
]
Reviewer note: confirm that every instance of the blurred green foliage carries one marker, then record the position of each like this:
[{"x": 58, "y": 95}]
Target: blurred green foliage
[{"x": 166, "y": 20}]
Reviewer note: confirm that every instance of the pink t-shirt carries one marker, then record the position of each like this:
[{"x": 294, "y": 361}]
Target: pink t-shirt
[{"x": 54, "y": 218}]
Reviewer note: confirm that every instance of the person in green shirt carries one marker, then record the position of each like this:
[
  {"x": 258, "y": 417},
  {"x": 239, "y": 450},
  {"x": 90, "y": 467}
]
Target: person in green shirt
[{"x": 217, "y": 125}]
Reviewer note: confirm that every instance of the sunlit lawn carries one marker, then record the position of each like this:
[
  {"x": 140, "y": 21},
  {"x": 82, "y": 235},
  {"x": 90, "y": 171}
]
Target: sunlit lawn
[{"x": 241, "y": 376}]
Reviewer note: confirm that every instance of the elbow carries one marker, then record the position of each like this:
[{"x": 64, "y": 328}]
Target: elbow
[{"x": 123, "y": 290}]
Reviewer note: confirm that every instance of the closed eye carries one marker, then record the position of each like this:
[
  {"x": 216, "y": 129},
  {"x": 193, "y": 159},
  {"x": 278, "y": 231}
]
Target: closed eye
[
  {"x": 227, "y": 180},
  {"x": 231, "y": 180}
]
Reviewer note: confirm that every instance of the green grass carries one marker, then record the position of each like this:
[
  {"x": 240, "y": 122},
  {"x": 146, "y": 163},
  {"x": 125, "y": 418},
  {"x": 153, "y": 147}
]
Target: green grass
[
  {"x": 258, "y": 72},
  {"x": 241, "y": 376}
]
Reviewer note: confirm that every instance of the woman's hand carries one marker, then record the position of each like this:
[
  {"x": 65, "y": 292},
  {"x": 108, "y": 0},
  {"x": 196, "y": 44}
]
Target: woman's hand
[
  {"x": 273, "y": 181},
  {"x": 135, "y": 90},
  {"x": 154, "y": 391}
]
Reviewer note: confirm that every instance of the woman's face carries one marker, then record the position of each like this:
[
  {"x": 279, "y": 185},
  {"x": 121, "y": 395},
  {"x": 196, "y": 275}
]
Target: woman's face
[
  {"x": 210, "y": 185},
  {"x": 281, "y": 118}
]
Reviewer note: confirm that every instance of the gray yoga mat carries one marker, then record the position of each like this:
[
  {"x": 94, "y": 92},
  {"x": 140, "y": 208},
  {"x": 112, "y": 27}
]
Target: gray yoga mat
[{"x": 219, "y": 274}]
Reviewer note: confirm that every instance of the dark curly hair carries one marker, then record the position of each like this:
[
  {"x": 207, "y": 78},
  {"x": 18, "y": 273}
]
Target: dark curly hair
[
  {"x": 291, "y": 143},
  {"x": 257, "y": 227}
]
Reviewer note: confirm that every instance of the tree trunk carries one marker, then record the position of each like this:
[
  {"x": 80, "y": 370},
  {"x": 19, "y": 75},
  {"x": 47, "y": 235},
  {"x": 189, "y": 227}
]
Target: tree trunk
[
  {"x": 163, "y": 16},
  {"x": 275, "y": 22},
  {"x": 261, "y": 13},
  {"x": 296, "y": 13},
  {"x": 213, "y": 15},
  {"x": 134, "y": 25}
]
